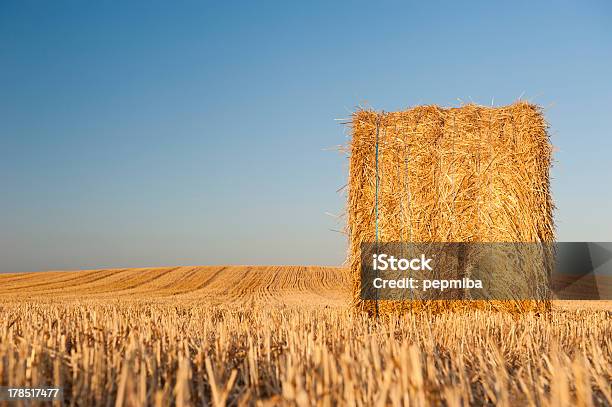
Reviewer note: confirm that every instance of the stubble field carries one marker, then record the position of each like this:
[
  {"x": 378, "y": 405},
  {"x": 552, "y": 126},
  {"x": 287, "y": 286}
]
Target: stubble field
[{"x": 285, "y": 336}]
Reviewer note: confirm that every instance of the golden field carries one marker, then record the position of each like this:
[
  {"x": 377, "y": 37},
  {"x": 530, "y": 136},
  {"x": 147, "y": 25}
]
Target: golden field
[{"x": 285, "y": 336}]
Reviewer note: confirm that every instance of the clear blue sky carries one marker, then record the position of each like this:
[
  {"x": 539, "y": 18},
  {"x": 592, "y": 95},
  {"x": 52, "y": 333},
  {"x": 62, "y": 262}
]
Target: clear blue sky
[{"x": 160, "y": 133}]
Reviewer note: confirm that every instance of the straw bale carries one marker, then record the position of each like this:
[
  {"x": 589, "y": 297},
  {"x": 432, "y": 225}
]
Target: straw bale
[{"x": 467, "y": 174}]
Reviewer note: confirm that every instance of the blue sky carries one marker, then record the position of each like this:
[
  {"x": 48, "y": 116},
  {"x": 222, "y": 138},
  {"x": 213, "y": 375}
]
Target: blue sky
[{"x": 151, "y": 133}]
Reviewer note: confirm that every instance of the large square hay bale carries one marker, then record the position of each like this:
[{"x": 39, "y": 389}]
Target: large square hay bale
[{"x": 468, "y": 174}]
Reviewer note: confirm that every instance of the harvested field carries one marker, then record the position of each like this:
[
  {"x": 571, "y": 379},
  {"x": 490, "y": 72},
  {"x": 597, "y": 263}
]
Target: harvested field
[
  {"x": 227, "y": 285},
  {"x": 285, "y": 336}
]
